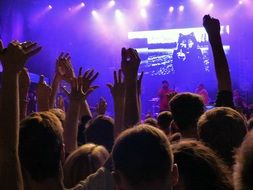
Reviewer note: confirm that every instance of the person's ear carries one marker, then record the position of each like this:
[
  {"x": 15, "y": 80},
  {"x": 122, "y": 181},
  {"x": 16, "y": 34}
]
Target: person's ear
[
  {"x": 174, "y": 175},
  {"x": 117, "y": 180}
]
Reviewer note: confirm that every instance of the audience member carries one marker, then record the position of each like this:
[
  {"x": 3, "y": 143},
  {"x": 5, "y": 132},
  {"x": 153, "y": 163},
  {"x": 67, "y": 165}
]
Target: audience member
[
  {"x": 164, "y": 120},
  {"x": 200, "y": 168},
  {"x": 142, "y": 159},
  {"x": 84, "y": 161},
  {"x": 223, "y": 129}
]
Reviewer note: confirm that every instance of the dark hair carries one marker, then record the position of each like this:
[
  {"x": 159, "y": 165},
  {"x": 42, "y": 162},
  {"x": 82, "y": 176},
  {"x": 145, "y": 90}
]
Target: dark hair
[
  {"x": 199, "y": 167},
  {"x": 100, "y": 131},
  {"x": 186, "y": 108},
  {"x": 142, "y": 154},
  {"x": 151, "y": 121},
  {"x": 223, "y": 129},
  {"x": 164, "y": 119},
  {"x": 250, "y": 123},
  {"x": 243, "y": 169},
  {"x": 40, "y": 145}
]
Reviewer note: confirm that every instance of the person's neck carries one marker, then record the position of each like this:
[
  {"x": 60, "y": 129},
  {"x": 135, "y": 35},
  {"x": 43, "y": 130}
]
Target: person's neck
[
  {"x": 49, "y": 184},
  {"x": 190, "y": 133}
]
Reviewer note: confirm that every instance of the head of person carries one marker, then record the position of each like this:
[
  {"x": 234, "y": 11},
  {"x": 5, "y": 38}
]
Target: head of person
[
  {"x": 250, "y": 123},
  {"x": 164, "y": 120},
  {"x": 83, "y": 162},
  {"x": 201, "y": 86},
  {"x": 60, "y": 114},
  {"x": 165, "y": 84},
  {"x": 243, "y": 169},
  {"x": 223, "y": 129},
  {"x": 199, "y": 167},
  {"x": 151, "y": 121},
  {"x": 186, "y": 108},
  {"x": 100, "y": 131},
  {"x": 142, "y": 159},
  {"x": 41, "y": 147}
]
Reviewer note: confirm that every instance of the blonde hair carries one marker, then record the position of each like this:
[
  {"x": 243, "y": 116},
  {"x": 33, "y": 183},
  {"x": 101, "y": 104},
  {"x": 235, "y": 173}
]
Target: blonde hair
[{"x": 83, "y": 162}]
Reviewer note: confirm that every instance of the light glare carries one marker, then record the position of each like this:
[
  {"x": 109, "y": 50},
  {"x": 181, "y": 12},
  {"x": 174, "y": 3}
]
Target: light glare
[
  {"x": 171, "y": 9},
  {"x": 143, "y": 13},
  {"x": 181, "y": 8},
  {"x": 111, "y": 3},
  {"x": 82, "y": 4}
]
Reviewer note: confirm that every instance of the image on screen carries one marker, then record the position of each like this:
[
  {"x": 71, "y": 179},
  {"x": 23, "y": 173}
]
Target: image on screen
[{"x": 181, "y": 52}]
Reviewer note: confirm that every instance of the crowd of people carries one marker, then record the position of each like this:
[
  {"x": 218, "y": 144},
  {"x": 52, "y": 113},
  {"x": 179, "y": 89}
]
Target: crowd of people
[{"x": 185, "y": 148}]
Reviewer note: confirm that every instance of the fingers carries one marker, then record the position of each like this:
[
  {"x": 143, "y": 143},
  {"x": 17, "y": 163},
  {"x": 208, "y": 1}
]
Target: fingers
[
  {"x": 80, "y": 71},
  {"x": 120, "y": 76},
  {"x": 65, "y": 90},
  {"x": 31, "y": 52},
  {"x": 1, "y": 45},
  {"x": 115, "y": 77},
  {"x": 42, "y": 80},
  {"x": 110, "y": 86},
  {"x": 141, "y": 76}
]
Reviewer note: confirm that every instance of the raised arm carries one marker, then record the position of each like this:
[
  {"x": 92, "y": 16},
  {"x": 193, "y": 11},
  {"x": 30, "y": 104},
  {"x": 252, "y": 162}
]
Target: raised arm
[
  {"x": 24, "y": 84},
  {"x": 64, "y": 71},
  {"x": 118, "y": 93},
  {"x": 129, "y": 65},
  {"x": 43, "y": 92},
  {"x": 13, "y": 59},
  {"x": 80, "y": 89},
  {"x": 224, "y": 97}
]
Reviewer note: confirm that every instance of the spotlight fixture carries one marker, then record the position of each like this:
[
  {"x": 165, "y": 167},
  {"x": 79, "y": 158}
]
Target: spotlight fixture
[
  {"x": 82, "y": 4},
  {"x": 50, "y": 6}
]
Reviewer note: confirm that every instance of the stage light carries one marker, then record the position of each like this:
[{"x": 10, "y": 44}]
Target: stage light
[
  {"x": 181, "y": 8},
  {"x": 210, "y": 6},
  {"x": 143, "y": 13},
  {"x": 94, "y": 14},
  {"x": 171, "y": 9},
  {"x": 118, "y": 14},
  {"x": 82, "y": 4},
  {"x": 240, "y": 2},
  {"x": 111, "y": 3},
  {"x": 144, "y": 3},
  {"x": 50, "y": 6}
]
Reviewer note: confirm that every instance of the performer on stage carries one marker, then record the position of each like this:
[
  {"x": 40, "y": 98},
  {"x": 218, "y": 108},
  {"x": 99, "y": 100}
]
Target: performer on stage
[
  {"x": 163, "y": 95},
  {"x": 203, "y": 93}
]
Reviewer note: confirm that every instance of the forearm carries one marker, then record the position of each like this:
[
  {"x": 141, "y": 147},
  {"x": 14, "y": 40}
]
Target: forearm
[
  {"x": 23, "y": 108},
  {"x": 118, "y": 117},
  {"x": 131, "y": 113},
  {"x": 55, "y": 86},
  {"x": 71, "y": 126},
  {"x": 10, "y": 175},
  {"x": 42, "y": 103},
  {"x": 221, "y": 64},
  {"x": 85, "y": 109}
]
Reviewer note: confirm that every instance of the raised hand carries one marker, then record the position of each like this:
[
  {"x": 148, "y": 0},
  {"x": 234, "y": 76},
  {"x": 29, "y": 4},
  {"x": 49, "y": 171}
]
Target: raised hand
[
  {"x": 101, "y": 106},
  {"x": 64, "y": 67},
  {"x": 118, "y": 89},
  {"x": 43, "y": 94},
  {"x": 130, "y": 62},
  {"x": 14, "y": 57},
  {"x": 211, "y": 25},
  {"x": 139, "y": 83},
  {"x": 87, "y": 79}
]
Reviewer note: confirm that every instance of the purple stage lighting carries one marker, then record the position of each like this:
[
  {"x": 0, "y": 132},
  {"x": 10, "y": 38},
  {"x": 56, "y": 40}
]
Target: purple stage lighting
[
  {"x": 171, "y": 9},
  {"x": 50, "y": 7},
  {"x": 181, "y": 8},
  {"x": 144, "y": 3},
  {"x": 240, "y": 2},
  {"x": 82, "y": 4},
  {"x": 143, "y": 13},
  {"x": 94, "y": 14},
  {"x": 111, "y": 3}
]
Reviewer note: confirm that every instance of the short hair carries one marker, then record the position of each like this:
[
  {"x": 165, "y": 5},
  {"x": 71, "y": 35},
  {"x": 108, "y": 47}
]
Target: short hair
[
  {"x": 83, "y": 162},
  {"x": 164, "y": 119},
  {"x": 40, "y": 145},
  {"x": 100, "y": 131},
  {"x": 243, "y": 169},
  {"x": 150, "y": 121},
  {"x": 142, "y": 154},
  {"x": 223, "y": 129},
  {"x": 60, "y": 114},
  {"x": 199, "y": 167},
  {"x": 186, "y": 108},
  {"x": 250, "y": 123}
]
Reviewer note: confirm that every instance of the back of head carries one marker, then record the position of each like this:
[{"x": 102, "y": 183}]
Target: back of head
[
  {"x": 223, "y": 129},
  {"x": 40, "y": 146},
  {"x": 151, "y": 121},
  {"x": 60, "y": 114},
  {"x": 164, "y": 119},
  {"x": 243, "y": 169},
  {"x": 199, "y": 167},
  {"x": 83, "y": 162},
  {"x": 142, "y": 155},
  {"x": 100, "y": 131},
  {"x": 186, "y": 108},
  {"x": 250, "y": 123}
]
